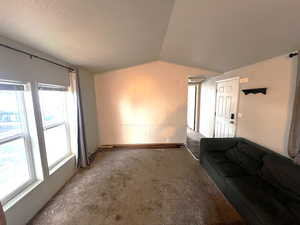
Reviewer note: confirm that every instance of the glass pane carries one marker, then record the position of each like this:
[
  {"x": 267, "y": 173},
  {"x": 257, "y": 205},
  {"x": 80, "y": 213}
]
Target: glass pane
[
  {"x": 52, "y": 106},
  {"x": 56, "y": 144},
  {"x": 14, "y": 171},
  {"x": 10, "y": 118}
]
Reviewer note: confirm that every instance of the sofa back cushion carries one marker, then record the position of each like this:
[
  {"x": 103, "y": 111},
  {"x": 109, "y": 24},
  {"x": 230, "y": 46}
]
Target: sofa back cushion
[
  {"x": 282, "y": 173},
  {"x": 246, "y": 156},
  {"x": 252, "y": 150}
]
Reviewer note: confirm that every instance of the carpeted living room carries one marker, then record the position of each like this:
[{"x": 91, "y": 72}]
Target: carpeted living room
[{"x": 136, "y": 112}]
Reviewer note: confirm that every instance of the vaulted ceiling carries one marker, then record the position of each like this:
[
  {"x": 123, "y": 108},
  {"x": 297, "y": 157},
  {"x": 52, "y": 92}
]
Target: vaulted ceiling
[
  {"x": 97, "y": 34},
  {"x": 102, "y": 35},
  {"x": 226, "y": 34}
]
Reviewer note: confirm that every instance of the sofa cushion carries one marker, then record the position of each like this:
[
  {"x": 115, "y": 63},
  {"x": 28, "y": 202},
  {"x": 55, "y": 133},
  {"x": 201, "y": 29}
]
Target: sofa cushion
[
  {"x": 223, "y": 165},
  {"x": 258, "y": 197},
  {"x": 217, "y": 157},
  {"x": 228, "y": 169},
  {"x": 283, "y": 174},
  {"x": 251, "y": 150},
  {"x": 251, "y": 165}
]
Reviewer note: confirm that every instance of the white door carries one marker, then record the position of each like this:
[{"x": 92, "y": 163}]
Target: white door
[{"x": 226, "y": 107}]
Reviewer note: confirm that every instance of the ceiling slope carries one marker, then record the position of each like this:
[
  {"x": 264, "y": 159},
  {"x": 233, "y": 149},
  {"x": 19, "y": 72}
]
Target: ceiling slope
[
  {"x": 225, "y": 34},
  {"x": 103, "y": 35},
  {"x": 99, "y": 35}
]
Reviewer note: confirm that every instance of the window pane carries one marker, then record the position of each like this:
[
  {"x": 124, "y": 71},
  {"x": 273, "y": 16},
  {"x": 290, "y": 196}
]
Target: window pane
[
  {"x": 10, "y": 120},
  {"x": 56, "y": 144},
  {"x": 52, "y": 106},
  {"x": 14, "y": 171}
]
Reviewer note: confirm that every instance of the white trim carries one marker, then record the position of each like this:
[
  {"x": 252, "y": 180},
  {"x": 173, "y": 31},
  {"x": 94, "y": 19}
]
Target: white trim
[
  {"x": 237, "y": 106},
  {"x": 17, "y": 191},
  {"x": 61, "y": 162},
  {"x": 14, "y": 137},
  {"x": 49, "y": 87},
  {"x": 31, "y": 186},
  {"x": 68, "y": 147},
  {"x": 53, "y": 125},
  {"x": 21, "y": 195},
  {"x": 194, "y": 157},
  {"x": 228, "y": 79},
  {"x": 27, "y": 146},
  {"x": 40, "y": 131},
  {"x": 14, "y": 82},
  {"x": 58, "y": 161},
  {"x": 27, "y": 138},
  {"x": 58, "y": 124}
]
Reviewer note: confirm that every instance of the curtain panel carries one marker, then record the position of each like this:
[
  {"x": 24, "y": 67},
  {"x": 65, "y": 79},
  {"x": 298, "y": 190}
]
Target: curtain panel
[
  {"x": 294, "y": 135},
  {"x": 78, "y": 138}
]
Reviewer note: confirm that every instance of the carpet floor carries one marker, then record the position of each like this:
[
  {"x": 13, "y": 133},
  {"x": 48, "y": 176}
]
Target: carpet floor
[{"x": 140, "y": 187}]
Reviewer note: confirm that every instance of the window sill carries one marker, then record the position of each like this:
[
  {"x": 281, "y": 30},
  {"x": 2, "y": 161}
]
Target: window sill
[
  {"x": 21, "y": 195},
  {"x": 61, "y": 163},
  {"x": 35, "y": 184}
]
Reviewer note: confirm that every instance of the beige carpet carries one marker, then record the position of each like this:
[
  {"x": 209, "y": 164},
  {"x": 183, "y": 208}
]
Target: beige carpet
[{"x": 140, "y": 187}]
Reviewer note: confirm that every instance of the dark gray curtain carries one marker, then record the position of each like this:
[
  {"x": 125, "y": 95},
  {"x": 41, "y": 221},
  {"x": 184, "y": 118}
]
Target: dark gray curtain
[
  {"x": 2, "y": 216},
  {"x": 294, "y": 135},
  {"x": 82, "y": 156}
]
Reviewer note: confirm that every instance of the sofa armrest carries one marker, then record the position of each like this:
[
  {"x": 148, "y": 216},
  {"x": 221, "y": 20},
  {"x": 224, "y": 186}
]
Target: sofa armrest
[{"x": 216, "y": 145}]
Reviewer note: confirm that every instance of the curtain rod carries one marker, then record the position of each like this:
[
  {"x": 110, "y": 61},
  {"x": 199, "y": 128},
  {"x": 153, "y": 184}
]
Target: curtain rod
[{"x": 35, "y": 56}]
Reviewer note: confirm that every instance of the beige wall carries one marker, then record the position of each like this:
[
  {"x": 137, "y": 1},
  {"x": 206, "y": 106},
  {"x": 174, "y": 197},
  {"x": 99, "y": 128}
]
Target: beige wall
[
  {"x": 265, "y": 118},
  {"x": 87, "y": 87},
  {"x": 143, "y": 104}
]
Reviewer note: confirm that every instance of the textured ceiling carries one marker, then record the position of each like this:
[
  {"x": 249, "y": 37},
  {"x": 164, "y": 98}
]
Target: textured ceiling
[
  {"x": 103, "y": 35},
  {"x": 99, "y": 35},
  {"x": 225, "y": 34}
]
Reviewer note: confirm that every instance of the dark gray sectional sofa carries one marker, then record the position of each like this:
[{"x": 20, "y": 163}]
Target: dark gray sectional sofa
[{"x": 263, "y": 186}]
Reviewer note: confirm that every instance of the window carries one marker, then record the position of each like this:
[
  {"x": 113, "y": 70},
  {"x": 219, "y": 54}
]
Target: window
[
  {"x": 53, "y": 102},
  {"x": 16, "y": 159}
]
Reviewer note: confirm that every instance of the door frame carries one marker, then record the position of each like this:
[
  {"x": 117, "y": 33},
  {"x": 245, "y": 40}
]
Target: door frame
[
  {"x": 237, "y": 79},
  {"x": 196, "y": 106}
]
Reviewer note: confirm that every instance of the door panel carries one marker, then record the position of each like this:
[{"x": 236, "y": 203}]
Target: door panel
[{"x": 226, "y": 107}]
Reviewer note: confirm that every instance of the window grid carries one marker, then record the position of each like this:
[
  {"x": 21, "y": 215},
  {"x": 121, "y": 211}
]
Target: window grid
[
  {"x": 22, "y": 139},
  {"x": 56, "y": 124},
  {"x": 22, "y": 134}
]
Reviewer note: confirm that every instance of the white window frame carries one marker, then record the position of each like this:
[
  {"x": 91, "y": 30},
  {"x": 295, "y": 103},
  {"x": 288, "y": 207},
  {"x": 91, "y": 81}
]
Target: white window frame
[
  {"x": 25, "y": 135},
  {"x": 65, "y": 122}
]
